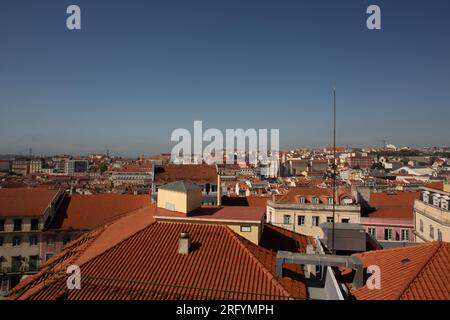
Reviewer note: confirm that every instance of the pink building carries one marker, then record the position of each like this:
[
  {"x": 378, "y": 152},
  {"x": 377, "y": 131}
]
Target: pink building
[{"x": 391, "y": 216}]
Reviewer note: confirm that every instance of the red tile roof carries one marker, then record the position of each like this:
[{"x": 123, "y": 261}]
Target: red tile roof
[
  {"x": 189, "y": 172},
  {"x": 251, "y": 201},
  {"x": 216, "y": 213},
  {"x": 420, "y": 272},
  {"x": 25, "y": 202},
  {"x": 85, "y": 212},
  {"x": 142, "y": 262},
  {"x": 395, "y": 206}
]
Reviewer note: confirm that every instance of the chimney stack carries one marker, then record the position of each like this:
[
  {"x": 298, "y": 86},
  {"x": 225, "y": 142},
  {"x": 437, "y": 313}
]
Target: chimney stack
[{"x": 184, "y": 243}]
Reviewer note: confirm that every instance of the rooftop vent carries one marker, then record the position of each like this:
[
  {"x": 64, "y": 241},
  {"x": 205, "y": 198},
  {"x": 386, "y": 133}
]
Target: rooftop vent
[{"x": 184, "y": 243}]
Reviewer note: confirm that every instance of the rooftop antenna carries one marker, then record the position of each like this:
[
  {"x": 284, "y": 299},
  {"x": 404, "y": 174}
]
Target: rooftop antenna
[{"x": 334, "y": 167}]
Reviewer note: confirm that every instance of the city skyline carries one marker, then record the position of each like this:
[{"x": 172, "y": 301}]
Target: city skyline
[{"x": 133, "y": 74}]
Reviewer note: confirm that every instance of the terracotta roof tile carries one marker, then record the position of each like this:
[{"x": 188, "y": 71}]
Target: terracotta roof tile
[
  {"x": 420, "y": 272},
  {"x": 144, "y": 263},
  {"x": 85, "y": 212},
  {"x": 192, "y": 173},
  {"x": 25, "y": 202}
]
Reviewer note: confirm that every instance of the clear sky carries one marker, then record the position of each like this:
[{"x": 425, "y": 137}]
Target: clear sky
[{"x": 140, "y": 69}]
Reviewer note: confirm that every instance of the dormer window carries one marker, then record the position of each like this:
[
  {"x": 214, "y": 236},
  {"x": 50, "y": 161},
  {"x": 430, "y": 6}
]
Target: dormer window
[
  {"x": 436, "y": 200},
  {"x": 425, "y": 197},
  {"x": 330, "y": 200},
  {"x": 301, "y": 200},
  {"x": 315, "y": 200},
  {"x": 444, "y": 203}
]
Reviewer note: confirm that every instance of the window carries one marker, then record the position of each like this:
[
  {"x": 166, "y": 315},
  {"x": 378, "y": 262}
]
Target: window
[
  {"x": 431, "y": 232},
  {"x": 48, "y": 256},
  {"x": 387, "y": 234},
  {"x": 66, "y": 240},
  {"x": 345, "y": 220},
  {"x": 439, "y": 232},
  {"x": 246, "y": 229},
  {"x": 287, "y": 219},
  {"x": 329, "y": 219},
  {"x": 16, "y": 263},
  {"x": 444, "y": 204},
  {"x": 50, "y": 240},
  {"x": 405, "y": 234},
  {"x": 34, "y": 224},
  {"x": 1, "y": 241},
  {"x": 301, "y": 220},
  {"x": 17, "y": 224},
  {"x": 330, "y": 200},
  {"x": 33, "y": 263},
  {"x": 33, "y": 240},
  {"x": 315, "y": 221},
  {"x": 316, "y": 200},
  {"x": 421, "y": 226},
  {"x": 2, "y": 225},
  {"x": 436, "y": 200},
  {"x": 302, "y": 200},
  {"x": 16, "y": 241},
  {"x": 372, "y": 231},
  {"x": 425, "y": 198}
]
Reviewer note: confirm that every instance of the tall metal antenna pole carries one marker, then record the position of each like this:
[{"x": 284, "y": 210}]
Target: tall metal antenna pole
[{"x": 334, "y": 166}]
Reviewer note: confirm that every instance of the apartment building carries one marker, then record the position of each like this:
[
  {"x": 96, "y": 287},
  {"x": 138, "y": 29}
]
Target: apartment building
[
  {"x": 20, "y": 166},
  {"x": 432, "y": 213},
  {"x": 133, "y": 174},
  {"x": 390, "y": 217},
  {"x": 24, "y": 214},
  {"x": 302, "y": 210}
]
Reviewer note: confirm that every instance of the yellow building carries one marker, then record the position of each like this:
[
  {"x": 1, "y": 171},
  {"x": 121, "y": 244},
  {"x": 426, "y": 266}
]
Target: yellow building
[
  {"x": 181, "y": 202},
  {"x": 432, "y": 214}
]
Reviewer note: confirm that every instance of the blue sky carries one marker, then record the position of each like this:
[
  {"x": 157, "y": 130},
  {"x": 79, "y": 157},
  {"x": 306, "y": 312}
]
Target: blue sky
[{"x": 140, "y": 69}]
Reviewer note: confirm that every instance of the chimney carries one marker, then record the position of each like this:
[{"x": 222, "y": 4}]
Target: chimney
[{"x": 184, "y": 243}]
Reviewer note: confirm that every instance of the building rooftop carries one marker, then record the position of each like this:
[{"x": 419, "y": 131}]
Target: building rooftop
[
  {"x": 420, "y": 272},
  {"x": 180, "y": 186},
  {"x": 398, "y": 205},
  {"x": 323, "y": 194},
  {"x": 189, "y": 172},
  {"x": 136, "y": 258},
  {"x": 85, "y": 212},
  {"x": 25, "y": 202}
]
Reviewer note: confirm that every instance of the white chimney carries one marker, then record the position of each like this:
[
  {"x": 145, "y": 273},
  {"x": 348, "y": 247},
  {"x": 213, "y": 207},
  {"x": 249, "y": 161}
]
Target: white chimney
[{"x": 184, "y": 243}]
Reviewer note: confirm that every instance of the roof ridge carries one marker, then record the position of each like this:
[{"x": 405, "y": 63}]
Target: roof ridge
[
  {"x": 436, "y": 245},
  {"x": 271, "y": 276}
]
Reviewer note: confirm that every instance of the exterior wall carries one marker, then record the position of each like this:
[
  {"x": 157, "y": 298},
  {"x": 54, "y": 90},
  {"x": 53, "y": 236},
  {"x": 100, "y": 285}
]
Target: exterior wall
[
  {"x": 433, "y": 216},
  {"x": 60, "y": 238},
  {"x": 277, "y": 211},
  {"x": 396, "y": 225},
  {"x": 194, "y": 200},
  {"x": 254, "y": 235},
  {"x": 177, "y": 199},
  {"x": 183, "y": 202}
]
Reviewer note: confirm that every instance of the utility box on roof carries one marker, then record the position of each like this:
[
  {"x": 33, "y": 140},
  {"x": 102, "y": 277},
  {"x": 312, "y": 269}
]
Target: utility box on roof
[{"x": 347, "y": 236}]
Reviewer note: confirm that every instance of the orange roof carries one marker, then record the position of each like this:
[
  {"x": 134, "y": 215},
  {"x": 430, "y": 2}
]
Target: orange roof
[
  {"x": 420, "y": 272},
  {"x": 216, "y": 213},
  {"x": 438, "y": 185},
  {"x": 83, "y": 212},
  {"x": 25, "y": 202},
  {"x": 251, "y": 201},
  {"x": 396, "y": 206},
  {"x": 187, "y": 172},
  {"x": 143, "y": 263}
]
